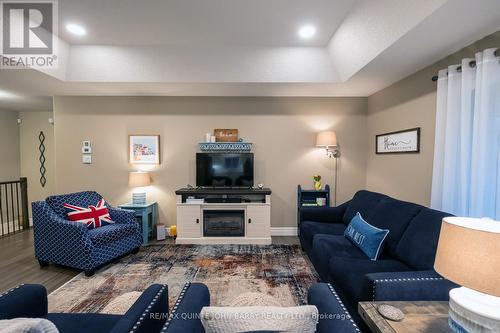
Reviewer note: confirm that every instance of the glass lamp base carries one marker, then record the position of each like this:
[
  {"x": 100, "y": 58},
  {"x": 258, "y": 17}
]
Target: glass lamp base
[{"x": 473, "y": 312}]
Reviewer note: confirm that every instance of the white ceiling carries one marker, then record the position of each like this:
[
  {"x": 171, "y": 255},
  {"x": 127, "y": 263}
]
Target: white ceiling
[
  {"x": 248, "y": 48},
  {"x": 202, "y": 22}
]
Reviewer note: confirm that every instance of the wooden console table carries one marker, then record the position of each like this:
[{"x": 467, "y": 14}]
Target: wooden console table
[
  {"x": 420, "y": 317},
  {"x": 251, "y": 210}
]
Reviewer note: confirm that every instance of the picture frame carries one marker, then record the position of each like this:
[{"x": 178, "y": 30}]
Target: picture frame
[
  {"x": 399, "y": 142},
  {"x": 144, "y": 149},
  {"x": 226, "y": 135}
]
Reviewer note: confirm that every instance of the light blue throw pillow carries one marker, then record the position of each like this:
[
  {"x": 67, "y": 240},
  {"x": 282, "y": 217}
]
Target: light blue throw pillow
[{"x": 368, "y": 238}]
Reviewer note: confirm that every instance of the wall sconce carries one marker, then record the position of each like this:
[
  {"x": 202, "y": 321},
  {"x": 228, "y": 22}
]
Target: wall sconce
[{"x": 328, "y": 141}]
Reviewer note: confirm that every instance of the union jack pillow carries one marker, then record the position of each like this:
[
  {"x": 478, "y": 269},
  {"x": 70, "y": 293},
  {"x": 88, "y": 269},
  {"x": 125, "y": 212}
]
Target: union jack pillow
[{"x": 92, "y": 216}]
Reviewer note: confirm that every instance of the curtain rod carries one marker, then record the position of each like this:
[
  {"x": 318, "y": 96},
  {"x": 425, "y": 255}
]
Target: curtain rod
[{"x": 471, "y": 64}]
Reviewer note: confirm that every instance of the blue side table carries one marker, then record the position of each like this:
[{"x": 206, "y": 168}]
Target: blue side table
[{"x": 148, "y": 215}]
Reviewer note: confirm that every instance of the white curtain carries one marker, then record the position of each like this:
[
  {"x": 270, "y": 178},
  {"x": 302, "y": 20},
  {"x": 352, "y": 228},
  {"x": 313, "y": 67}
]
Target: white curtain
[{"x": 466, "y": 171}]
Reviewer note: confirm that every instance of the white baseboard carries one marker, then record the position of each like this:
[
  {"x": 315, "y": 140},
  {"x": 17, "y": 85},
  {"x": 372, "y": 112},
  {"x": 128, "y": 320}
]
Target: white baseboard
[{"x": 283, "y": 231}]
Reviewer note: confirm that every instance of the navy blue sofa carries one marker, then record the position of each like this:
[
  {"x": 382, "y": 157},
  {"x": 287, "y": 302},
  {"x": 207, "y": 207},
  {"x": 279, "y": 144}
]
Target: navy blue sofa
[
  {"x": 404, "y": 270},
  {"x": 149, "y": 314}
]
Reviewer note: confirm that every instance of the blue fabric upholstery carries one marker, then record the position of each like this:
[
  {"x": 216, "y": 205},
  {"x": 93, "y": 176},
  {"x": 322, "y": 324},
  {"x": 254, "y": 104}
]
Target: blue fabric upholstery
[
  {"x": 110, "y": 233},
  {"x": 410, "y": 249},
  {"x": 409, "y": 286},
  {"x": 363, "y": 202},
  {"x": 26, "y": 300},
  {"x": 333, "y": 315},
  {"x": 350, "y": 275},
  {"x": 309, "y": 228},
  {"x": 326, "y": 246},
  {"x": 83, "y": 322},
  {"x": 418, "y": 244},
  {"x": 82, "y": 199},
  {"x": 184, "y": 317},
  {"x": 147, "y": 314},
  {"x": 394, "y": 215},
  {"x": 70, "y": 244}
]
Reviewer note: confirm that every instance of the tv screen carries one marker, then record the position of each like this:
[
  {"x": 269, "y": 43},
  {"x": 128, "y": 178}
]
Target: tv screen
[{"x": 224, "y": 169}]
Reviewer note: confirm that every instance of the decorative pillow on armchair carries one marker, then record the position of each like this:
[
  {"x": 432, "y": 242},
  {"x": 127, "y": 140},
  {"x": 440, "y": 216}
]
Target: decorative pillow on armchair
[
  {"x": 299, "y": 319},
  {"x": 366, "y": 237},
  {"x": 92, "y": 216}
]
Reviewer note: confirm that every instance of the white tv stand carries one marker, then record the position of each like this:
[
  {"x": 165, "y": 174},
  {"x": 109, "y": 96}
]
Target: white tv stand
[{"x": 227, "y": 216}]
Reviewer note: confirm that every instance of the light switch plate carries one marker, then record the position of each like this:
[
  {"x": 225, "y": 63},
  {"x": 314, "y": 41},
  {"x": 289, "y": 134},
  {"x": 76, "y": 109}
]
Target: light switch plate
[{"x": 87, "y": 159}]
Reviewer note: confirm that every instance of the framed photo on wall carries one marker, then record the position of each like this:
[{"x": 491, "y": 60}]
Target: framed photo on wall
[
  {"x": 144, "y": 149},
  {"x": 399, "y": 142}
]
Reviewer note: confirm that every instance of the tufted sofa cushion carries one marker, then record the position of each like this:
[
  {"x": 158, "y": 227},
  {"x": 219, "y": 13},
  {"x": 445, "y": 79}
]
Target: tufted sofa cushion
[
  {"x": 110, "y": 233},
  {"x": 82, "y": 199},
  {"x": 394, "y": 215},
  {"x": 364, "y": 202},
  {"x": 309, "y": 228},
  {"x": 417, "y": 247},
  {"x": 350, "y": 275}
]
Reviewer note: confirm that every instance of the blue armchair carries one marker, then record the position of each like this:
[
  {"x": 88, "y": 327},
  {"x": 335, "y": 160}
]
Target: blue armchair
[
  {"x": 147, "y": 314},
  {"x": 62, "y": 242},
  {"x": 333, "y": 315}
]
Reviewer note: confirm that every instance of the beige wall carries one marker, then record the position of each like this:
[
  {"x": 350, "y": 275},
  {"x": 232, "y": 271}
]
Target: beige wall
[
  {"x": 10, "y": 162},
  {"x": 410, "y": 103},
  {"x": 282, "y": 130},
  {"x": 32, "y": 124}
]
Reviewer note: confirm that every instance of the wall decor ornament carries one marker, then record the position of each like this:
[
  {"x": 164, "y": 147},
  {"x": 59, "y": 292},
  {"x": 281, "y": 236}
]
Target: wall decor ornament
[
  {"x": 226, "y": 135},
  {"x": 41, "y": 148},
  {"x": 317, "y": 182},
  {"x": 144, "y": 149},
  {"x": 399, "y": 142}
]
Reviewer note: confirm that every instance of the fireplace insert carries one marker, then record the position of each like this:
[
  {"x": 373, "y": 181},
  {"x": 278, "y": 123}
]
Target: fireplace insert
[{"x": 223, "y": 223}]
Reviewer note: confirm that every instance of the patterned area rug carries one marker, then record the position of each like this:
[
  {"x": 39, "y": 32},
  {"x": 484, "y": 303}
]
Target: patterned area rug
[{"x": 281, "y": 271}]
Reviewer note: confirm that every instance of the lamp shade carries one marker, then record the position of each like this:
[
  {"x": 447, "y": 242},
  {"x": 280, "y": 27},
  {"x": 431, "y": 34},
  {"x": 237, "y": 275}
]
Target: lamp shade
[
  {"x": 468, "y": 253},
  {"x": 326, "y": 139},
  {"x": 139, "y": 179}
]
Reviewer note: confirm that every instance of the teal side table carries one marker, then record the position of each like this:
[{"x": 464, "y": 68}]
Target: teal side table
[{"x": 148, "y": 214}]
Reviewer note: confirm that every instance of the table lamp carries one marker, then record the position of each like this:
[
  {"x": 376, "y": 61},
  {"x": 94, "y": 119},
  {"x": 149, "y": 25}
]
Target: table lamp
[
  {"x": 139, "y": 180},
  {"x": 468, "y": 254},
  {"x": 328, "y": 141}
]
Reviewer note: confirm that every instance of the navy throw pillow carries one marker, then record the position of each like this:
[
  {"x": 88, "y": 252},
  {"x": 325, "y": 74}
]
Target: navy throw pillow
[{"x": 368, "y": 238}]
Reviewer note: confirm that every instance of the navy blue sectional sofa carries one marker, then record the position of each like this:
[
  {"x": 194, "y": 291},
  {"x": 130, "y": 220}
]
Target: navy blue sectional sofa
[{"x": 404, "y": 271}]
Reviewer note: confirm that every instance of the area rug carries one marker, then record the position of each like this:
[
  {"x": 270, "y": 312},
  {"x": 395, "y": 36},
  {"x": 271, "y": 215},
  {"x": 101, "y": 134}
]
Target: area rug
[{"x": 281, "y": 271}]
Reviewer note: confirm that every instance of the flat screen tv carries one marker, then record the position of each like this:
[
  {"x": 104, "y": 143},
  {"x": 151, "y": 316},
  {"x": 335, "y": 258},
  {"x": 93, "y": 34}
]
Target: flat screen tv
[{"x": 224, "y": 169}]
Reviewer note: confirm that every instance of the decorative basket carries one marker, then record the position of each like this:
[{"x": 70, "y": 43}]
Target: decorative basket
[{"x": 226, "y": 146}]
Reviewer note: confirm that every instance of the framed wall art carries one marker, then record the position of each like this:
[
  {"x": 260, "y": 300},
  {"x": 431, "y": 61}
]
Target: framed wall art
[
  {"x": 144, "y": 149},
  {"x": 399, "y": 142}
]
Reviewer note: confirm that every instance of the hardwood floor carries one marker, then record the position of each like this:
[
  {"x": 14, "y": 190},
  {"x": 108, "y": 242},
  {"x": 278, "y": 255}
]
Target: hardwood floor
[{"x": 18, "y": 264}]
